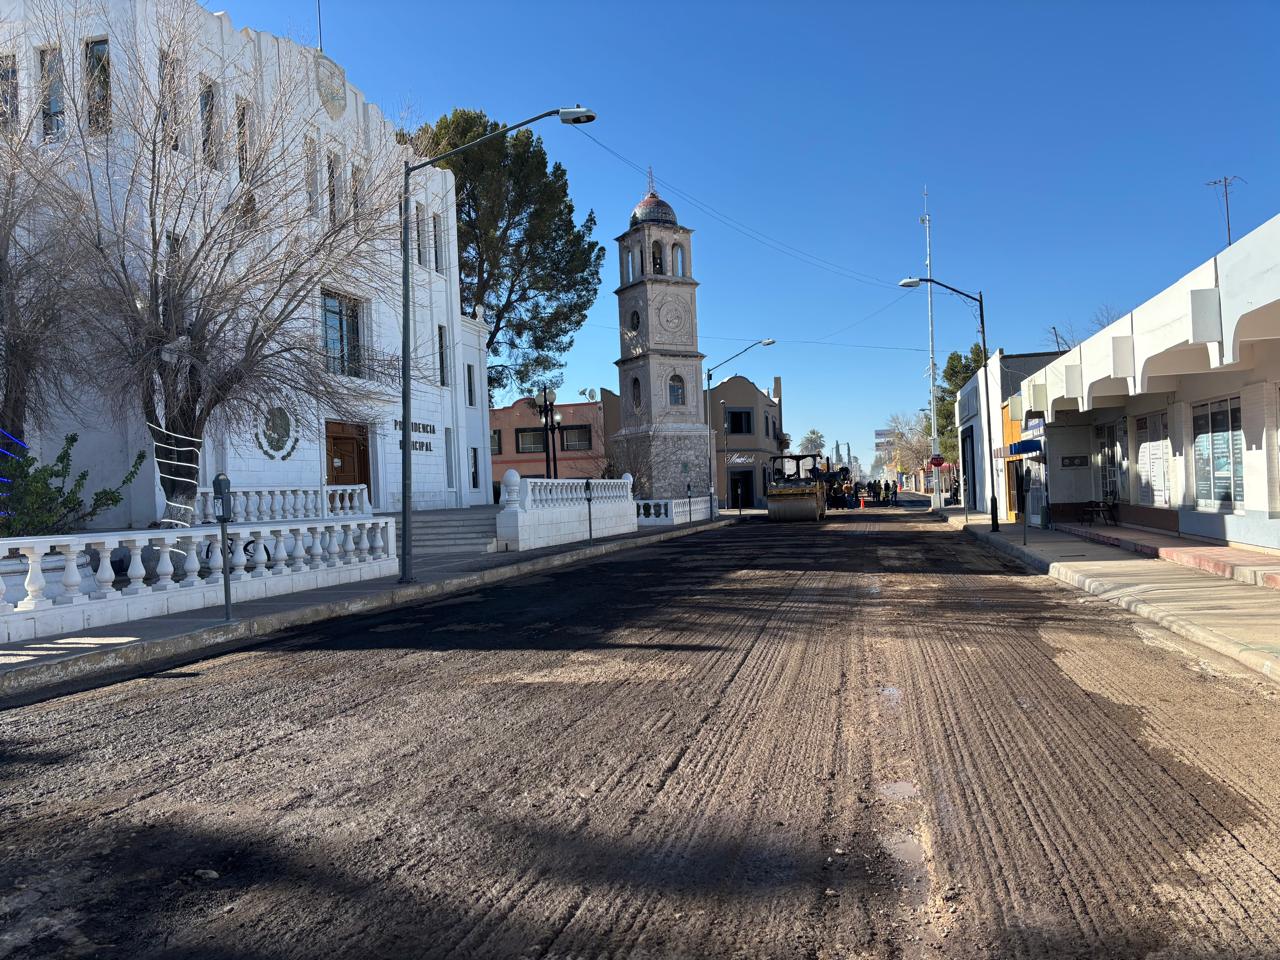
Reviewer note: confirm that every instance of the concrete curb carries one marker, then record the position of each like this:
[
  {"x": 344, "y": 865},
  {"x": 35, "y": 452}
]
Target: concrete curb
[
  {"x": 30, "y": 683},
  {"x": 1261, "y": 661}
]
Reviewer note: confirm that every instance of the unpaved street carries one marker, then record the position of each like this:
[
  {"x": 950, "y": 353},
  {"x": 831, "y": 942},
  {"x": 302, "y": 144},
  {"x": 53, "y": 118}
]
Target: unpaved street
[{"x": 865, "y": 739}]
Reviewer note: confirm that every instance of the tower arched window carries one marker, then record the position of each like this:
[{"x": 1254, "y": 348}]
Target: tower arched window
[
  {"x": 624, "y": 266},
  {"x": 678, "y": 266},
  {"x": 675, "y": 390},
  {"x": 635, "y": 321},
  {"x": 657, "y": 258},
  {"x": 637, "y": 400},
  {"x": 639, "y": 255}
]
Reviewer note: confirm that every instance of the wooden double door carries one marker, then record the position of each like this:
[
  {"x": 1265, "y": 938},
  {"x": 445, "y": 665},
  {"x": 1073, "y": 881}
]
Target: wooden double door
[{"x": 346, "y": 452}]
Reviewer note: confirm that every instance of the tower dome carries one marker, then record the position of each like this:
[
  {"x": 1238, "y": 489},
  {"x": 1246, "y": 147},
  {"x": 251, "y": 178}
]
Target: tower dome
[{"x": 653, "y": 209}]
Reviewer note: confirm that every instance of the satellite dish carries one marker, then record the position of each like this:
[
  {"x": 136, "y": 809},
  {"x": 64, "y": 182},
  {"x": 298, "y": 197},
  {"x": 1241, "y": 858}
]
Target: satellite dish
[{"x": 591, "y": 394}]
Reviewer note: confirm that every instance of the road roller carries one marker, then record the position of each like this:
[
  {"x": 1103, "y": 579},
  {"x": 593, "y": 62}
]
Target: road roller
[{"x": 797, "y": 490}]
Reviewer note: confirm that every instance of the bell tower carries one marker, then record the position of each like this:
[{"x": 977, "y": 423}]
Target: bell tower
[{"x": 662, "y": 432}]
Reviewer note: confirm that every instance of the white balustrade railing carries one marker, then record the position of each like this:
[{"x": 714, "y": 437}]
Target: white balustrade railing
[
  {"x": 672, "y": 512},
  {"x": 540, "y": 494},
  {"x": 541, "y": 513},
  {"x": 321, "y": 501},
  {"x": 152, "y": 564}
]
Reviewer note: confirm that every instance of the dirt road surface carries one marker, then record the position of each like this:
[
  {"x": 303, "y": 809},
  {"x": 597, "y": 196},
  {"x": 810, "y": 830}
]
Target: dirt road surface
[{"x": 869, "y": 738}]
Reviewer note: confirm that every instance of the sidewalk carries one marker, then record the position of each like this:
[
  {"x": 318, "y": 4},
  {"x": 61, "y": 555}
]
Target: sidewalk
[
  {"x": 1234, "y": 563},
  {"x": 35, "y": 670},
  {"x": 1236, "y": 619}
]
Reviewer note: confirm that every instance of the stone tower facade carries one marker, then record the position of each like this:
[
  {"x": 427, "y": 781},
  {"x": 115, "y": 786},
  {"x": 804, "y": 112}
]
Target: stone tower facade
[{"x": 662, "y": 439}]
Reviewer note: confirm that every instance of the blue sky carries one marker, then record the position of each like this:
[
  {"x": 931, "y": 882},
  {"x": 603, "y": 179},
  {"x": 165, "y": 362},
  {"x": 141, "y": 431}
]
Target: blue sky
[{"x": 1065, "y": 147}]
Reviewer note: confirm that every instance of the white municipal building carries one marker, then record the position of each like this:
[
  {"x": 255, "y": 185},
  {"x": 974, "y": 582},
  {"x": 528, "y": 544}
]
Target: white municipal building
[{"x": 451, "y": 465}]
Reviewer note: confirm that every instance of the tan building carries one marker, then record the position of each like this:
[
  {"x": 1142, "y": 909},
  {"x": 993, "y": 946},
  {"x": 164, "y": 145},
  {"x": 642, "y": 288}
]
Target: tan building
[{"x": 748, "y": 431}]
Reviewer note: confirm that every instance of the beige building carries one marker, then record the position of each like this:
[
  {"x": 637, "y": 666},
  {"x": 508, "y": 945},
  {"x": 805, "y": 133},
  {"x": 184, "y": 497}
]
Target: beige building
[{"x": 748, "y": 431}]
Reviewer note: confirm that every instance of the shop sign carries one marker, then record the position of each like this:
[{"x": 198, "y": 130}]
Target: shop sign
[{"x": 739, "y": 459}]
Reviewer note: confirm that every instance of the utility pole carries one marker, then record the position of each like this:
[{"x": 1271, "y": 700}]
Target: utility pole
[
  {"x": 935, "y": 500},
  {"x": 1225, "y": 183}
]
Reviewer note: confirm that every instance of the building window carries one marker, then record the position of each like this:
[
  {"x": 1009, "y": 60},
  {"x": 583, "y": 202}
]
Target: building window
[
  {"x": 311, "y": 155},
  {"x": 243, "y": 119},
  {"x": 657, "y": 258},
  {"x": 471, "y": 385},
  {"x": 437, "y": 241},
  {"x": 678, "y": 266},
  {"x": 357, "y": 184},
  {"x": 170, "y": 82},
  {"x": 766, "y": 426},
  {"x": 210, "y": 134},
  {"x": 675, "y": 390},
  {"x": 1218, "y": 452},
  {"x": 475, "y": 468},
  {"x": 420, "y": 226},
  {"x": 342, "y": 334},
  {"x": 635, "y": 320},
  {"x": 739, "y": 421},
  {"x": 172, "y": 306},
  {"x": 442, "y": 354},
  {"x": 335, "y": 188},
  {"x": 448, "y": 457},
  {"x": 575, "y": 438},
  {"x": 52, "y": 104},
  {"x": 637, "y": 399},
  {"x": 8, "y": 91},
  {"x": 97, "y": 75},
  {"x": 530, "y": 440},
  {"x": 495, "y": 443}
]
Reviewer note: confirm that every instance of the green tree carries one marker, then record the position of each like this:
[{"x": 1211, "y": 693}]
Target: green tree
[
  {"x": 957, "y": 371},
  {"x": 524, "y": 260},
  {"x": 37, "y": 501},
  {"x": 812, "y": 442}
]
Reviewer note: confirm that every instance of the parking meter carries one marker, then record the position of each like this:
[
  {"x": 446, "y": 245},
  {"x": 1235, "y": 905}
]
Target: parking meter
[
  {"x": 590, "y": 532},
  {"x": 223, "y": 511},
  {"x": 222, "y": 497}
]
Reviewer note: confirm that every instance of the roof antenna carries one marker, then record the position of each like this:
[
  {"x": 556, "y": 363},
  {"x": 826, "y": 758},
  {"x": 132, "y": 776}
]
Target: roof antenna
[
  {"x": 319, "y": 29},
  {"x": 652, "y": 189}
]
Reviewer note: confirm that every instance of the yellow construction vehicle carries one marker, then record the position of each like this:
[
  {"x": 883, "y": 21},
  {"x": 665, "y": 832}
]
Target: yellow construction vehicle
[{"x": 797, "y": 490}]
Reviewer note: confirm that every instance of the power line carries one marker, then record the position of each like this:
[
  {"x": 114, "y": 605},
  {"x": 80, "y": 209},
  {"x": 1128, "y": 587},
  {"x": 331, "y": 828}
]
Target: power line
[
  {"x": 749, "y": 232},
  {"x": 820, "y": 343},
  {"x": 1225, "y": 183}
]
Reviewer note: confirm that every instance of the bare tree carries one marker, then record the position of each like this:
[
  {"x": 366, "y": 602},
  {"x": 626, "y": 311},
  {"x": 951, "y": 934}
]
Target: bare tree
[
  {"x": 1068, "y": 333},
  {"x": 214, "y": 212},
  {"x": 37, "y": 358},
  {"x": 911, "y": 442}
]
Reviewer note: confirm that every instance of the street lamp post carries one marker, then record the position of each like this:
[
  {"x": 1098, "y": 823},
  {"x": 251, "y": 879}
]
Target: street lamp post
[
  {"x": 984, "y": 386},
  {"x": 574, "y": 115},
  {"x": 711, "y": 436}
]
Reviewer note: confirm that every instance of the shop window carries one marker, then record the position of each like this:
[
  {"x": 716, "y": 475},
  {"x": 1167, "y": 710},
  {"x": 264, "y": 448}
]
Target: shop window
[
  {"x": 1151, "y": 434},
  {"x": 1112, "y": 459},
  {"x": 1218, "y": 453}
]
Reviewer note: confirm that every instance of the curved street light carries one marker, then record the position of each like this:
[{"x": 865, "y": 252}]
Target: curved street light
[
  {"x": 711, "y": 437},
  {"x": 985, "y": 388},
  {"x": 577, "y": 114}
]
